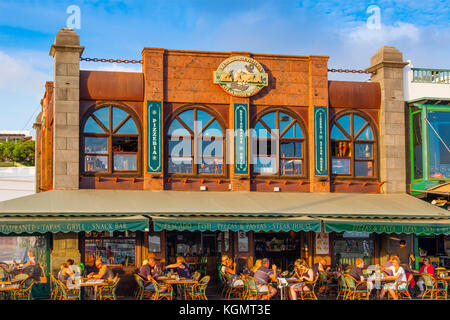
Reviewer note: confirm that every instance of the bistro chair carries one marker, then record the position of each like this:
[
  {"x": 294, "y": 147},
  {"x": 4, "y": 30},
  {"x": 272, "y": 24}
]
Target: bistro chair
[
  {"x": 440, "y": 289},
  {"x": 355, "y": 290},
  {"x": 232, "y": 290},
  {"x": 158, "y": 295},
  {"x": 187, "y": 288},
  {"x": 141, "y": 292},
  {"x": 108, "y": 292},
  {"x": 55, "y": 290},
  {"x": 325, "y": 284},
  {"x": 430, "y": 286},
  {"x": 23, "y": 292},
  {"x": 252, "y": 287},
  {"x": 342, "y": 288},
  {"x": 308, "y": 295},
  {"x": 66, "y": 293},
  {"x": 198, "y": 290},
  {"x": 403, "y": 294}
]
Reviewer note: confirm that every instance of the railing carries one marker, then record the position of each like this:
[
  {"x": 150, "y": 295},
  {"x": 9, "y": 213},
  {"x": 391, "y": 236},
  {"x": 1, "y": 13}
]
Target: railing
[{"x": 431, "y": 75}]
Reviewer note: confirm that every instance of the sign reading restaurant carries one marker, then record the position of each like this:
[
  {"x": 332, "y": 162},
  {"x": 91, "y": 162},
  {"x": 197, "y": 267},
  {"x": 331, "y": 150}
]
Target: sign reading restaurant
[{"x": 241, "y": 76}]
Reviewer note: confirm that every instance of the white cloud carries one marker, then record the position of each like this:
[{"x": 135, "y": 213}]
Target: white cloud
[
  {"x": 20, "y": 75},
  {"x": 399, "y": 31}
]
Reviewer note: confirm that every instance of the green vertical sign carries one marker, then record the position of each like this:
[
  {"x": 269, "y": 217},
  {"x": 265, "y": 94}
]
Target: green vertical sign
[
  {"x": 154, "y": 139},
  {"x": 241, "y": 138},
  {"x": 320, "y": 141}
]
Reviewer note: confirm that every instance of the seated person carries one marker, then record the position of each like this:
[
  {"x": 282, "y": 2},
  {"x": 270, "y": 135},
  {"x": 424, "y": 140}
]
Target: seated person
[
  {"x": 357, "y": 273},
  {"x": 264, "y": 276},
  {"x": 388, "y": 264},
  {"x": 149, "y": 273},
  {"x": 64, "y": 273},
  {"x": 103, "y": 271},
  {"x": 181, "y": 268},
  {"x": 427, "y": 267},
  {"x": 399, "y": 275},
  {"x": 255, "y": 267},
  {"x": 304, "y": 273},
  {"x": 231, "y": 271},
  {"x": 321, "y": 266}
]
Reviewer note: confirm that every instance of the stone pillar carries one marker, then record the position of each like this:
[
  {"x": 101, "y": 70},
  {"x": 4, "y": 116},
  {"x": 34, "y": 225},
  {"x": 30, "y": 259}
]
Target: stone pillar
[
  {"x": 37, "y": 152},
  {"x": 65, "y": 246},
  {"x": 387, "y": 65},
  {"x": 66, "y": 52}
]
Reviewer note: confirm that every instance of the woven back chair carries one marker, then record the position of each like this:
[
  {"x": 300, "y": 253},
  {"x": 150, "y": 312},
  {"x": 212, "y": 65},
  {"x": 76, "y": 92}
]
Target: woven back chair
[
  {"x": 429, "y": 286},
  {"x": 68, "y": 294},
  {"x": 355, "y": 289},
  {"x": 108, "y": 292},
  {"x": 342, "y": 288},
  {"x": 23, "y": 292},
  {"x": 198, "y": 290},
  {"x": 55, "y": 290},
  {"x": 231, "y": 289},
  {"x": 308, "y": 295},
  {"x": 403, "y": 293},
  {"x": 159, "y": 295},
  {"x": 141, "y": 292},
  {"x": 253, "y": 289}
]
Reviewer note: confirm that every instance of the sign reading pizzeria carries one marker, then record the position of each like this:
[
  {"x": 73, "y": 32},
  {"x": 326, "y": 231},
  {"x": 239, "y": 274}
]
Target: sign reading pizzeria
[{"x": 241, "y": 76}]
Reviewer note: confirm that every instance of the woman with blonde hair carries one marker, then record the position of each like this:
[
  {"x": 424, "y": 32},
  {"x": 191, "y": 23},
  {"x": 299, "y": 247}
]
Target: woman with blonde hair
[
  {"x": 229, "y": 268},
  {"x": 303, "y": 273}
]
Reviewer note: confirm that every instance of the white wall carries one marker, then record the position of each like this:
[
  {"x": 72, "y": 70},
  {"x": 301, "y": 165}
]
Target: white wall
[
  {"x": 417, "y": 90},
  {"x": 16, "y": 182}
]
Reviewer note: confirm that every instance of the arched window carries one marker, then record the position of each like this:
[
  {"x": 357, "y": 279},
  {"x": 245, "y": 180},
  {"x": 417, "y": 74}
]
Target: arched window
[
  {"x": 353, "y": 146},
  {"x": 195, "y": 143},
  {"x": 111, "y": 141},
  {"x": 278, "y": 145}
]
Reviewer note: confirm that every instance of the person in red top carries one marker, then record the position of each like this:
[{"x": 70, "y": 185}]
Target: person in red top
[{"x": 427, "y": 267}]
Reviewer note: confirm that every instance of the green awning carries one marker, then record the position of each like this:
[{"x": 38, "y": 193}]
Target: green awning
[
  {"x": 236, "y": 224},
  {"x": 72, "y": 224},
  {"x": 409, "y": 226}
]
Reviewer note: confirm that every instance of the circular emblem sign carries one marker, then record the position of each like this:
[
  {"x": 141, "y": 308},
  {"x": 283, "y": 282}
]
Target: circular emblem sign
[{"x": 241, "y": 76}]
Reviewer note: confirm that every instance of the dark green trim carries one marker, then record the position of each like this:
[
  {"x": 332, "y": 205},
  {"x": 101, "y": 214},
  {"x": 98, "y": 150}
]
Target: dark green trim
[
  {"x": 154, "y": 136},
  {"x": 241, "y": 139}
]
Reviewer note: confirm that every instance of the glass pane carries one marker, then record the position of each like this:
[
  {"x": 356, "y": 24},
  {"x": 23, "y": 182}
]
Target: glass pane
[
  {"x": 177, "y": 129},
  {"x": 290, "y": 133},
  {"x": 358, "y": 123},
  {"x": 336, "y": 133},
  {"x": 117, "y": 116},
  {"x": 111, "y": 250},
  {"x": 213, "y": 129},
  {"x": 180, "y": 165},
  {"x": 95, "y": 145},
  {"x": 344, "y": 121},
  {"x": 125, "y": 144},
  {"x": 92, "y": 127},
  {"x": 287, "y": 149},
  {"x": 363, "y": 151},
  {"x": 270, "y": 120},
  {"x": 340, "y": 166},
  {"x": 15, "y": 248},
  {"x": 188, "y": 118},
  {"x": 210, "y": 166},
  {"x": 291, "y": 167},
  {"x": 417, "y": 146},
  {"x": 202, "y": 119},
  {"x": 210, "y": 148},
  {"x": 260, "y": 131},
  {"x": 298, "y": 131},
  {"x": 341, "y": 149},
  {"x": 285, "y": 120},
  {"x": 366, "y": 134},
  {"x": 180, "y": 147},
  {"x": 128, "y": 127},
  {"x": 266, "y": 147},
  {"x": 96, "y": 163},
  {"x": 103, "y": 115},
  {"x": 125, "y": 161},
  {"x": 298, "y": 149},
  {"x": 264, "y": 165},
  {"x": 363, "y": 168},
  {"x": 439, "y": 144}
]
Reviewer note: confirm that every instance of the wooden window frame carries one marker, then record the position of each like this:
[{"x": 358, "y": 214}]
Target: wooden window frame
[
  {"x": 109, "y": 135},
  {"x": 279, "y": 140},
  {"x": 194, "y": 136},
  {"x": 353, "y": 142}
]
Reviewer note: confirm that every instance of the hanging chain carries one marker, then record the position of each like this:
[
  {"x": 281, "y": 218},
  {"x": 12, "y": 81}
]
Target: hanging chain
[
  {"x": 349, "y": 71},
  {"x": 109, "y": 60}
]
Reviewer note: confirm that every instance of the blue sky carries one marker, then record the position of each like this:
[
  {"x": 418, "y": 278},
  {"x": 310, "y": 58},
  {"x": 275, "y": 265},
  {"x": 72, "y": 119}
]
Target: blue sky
[{"x": 120, "y": 29}]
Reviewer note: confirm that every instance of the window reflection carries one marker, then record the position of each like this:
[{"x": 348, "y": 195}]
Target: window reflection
[{"x": 439, "y": 144}]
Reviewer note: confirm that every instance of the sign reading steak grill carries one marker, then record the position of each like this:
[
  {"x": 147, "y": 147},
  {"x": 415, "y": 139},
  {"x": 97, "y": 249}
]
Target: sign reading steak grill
[{"x": 241, "y": 76}]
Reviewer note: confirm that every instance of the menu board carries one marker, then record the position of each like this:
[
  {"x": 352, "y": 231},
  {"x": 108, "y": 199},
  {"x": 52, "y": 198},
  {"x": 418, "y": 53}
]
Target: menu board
[
  {"x": 322, "y": 243},
  {"x": 243, "y": 241},
  {"x": 154, "y": 243}
]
